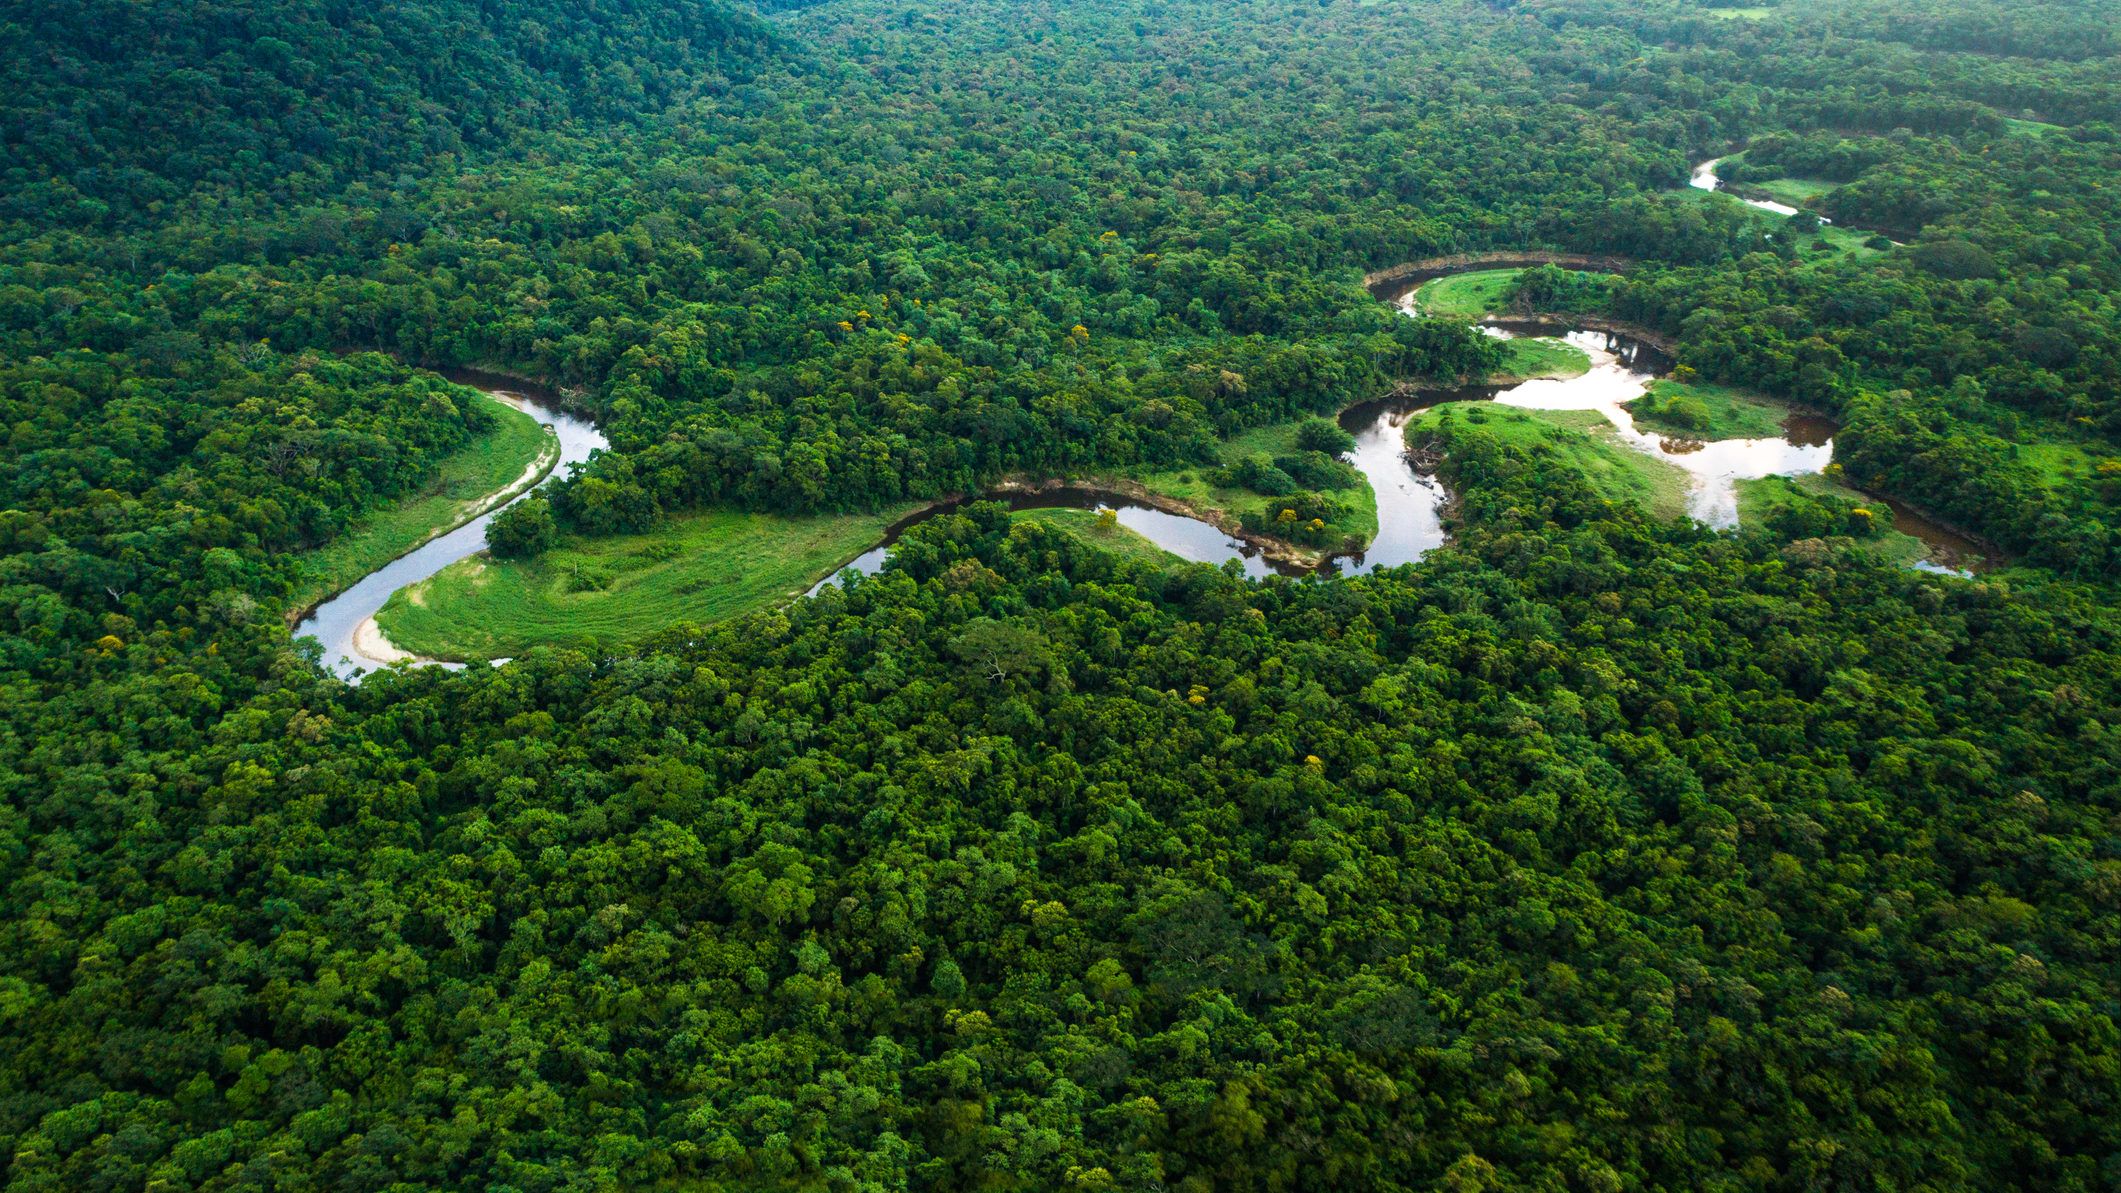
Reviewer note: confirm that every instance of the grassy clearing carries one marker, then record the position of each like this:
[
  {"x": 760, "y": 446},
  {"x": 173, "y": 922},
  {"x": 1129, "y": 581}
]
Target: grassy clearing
[
  {"x": 1090, "y": 528},
  {"x": 2059, "y": 465},
  {"x": 1795, "y": 191},
  {"x": 1580, "y": 439},
  {"x": 1759, "y": 499},
  {"x": 1706, "y": 410},
  {"x": 1194, "y": 486},
  {"x": 1831, "y": 243},
  {"x": 1539, "y": 356},
  {"x": 1465, "y": 295},
  {"x": 700, "y": 567},
  {"x": 494, "y": 462},
  {"x": 2032, "y": 128},
  {"x": 1835, "y": 243},
  {"x": 1754, "y": 13}
]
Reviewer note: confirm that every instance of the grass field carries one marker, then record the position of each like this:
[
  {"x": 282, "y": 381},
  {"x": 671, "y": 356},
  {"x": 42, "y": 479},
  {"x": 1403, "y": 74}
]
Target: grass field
[
  {"x": 2032, "y": 128},
  {"x": 1085, "y": 525},
  {"x": 1759, "y": 499},
  {"x": 1581, "y": 439},
  {"x": 1731, "y": 413},
  {"x": 699, "y": 567},
  {"x": 495, "y": 461},
  {"x": 1754, "y": 13},
  {"x": 1795, "y": 191},
  {"x": 1539, "y": 356},
  {"x": 1834, "y": 243},
  {"x": 1192, "y": 486},
  {"x": 1465, "y": 295},
  {"x": 2059, "y": 465}
]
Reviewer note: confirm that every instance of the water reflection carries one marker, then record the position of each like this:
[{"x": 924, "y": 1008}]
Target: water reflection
[{"x": 1409, "y": 502}]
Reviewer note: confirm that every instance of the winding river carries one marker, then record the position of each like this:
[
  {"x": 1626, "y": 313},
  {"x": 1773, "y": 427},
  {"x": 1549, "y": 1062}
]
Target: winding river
[
  {"x": 1410, "y": 503},
  {"x": 346, "y": 623},
  {"x": 1188, "y": 538}
]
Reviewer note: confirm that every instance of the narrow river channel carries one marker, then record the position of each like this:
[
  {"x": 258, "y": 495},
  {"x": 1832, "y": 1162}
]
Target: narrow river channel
[{"x": 345, "y": 624}]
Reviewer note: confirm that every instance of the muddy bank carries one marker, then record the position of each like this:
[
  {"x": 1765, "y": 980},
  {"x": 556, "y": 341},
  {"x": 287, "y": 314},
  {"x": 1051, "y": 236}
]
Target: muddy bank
[{"x": 1953, "y": 545}]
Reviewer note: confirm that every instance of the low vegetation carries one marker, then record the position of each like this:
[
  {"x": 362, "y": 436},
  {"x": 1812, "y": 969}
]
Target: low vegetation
[
  {"x": 1466, "y": 295},
  {"x": 612, "y": 589},
  {"x": 1214, "y": 491},
  {"x": 1102, "y": 530},
  {"x": 1526, "y": 358},
  {"x": 1778, "y": 502}
]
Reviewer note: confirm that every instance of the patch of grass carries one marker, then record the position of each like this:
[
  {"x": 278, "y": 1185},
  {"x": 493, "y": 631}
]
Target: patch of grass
[
  {"x": 1465, "y": 295},
  {"x": 699, "y": 567},
  {"x": 1580, "y": 439},
  {"x": 1754, "y": 13},
  {"x": 1528, "y": 357},
  {"x": 1759, "y": 499},
  {"x": 2059, "y": 465},
  {"x": 2032, "y": 128},
  {"x": 1090, "y": 527},
  {"x": 1794, "y": 191},
  {"x": 1706, "y": 410},
  {"x": 1194, "y": 486},
  {"x": 495, "y": 461},
  {"x": 1835, "y": 243}
]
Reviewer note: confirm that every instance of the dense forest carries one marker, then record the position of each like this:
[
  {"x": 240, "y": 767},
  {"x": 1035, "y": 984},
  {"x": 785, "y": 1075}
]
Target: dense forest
[{"x": 1593, "y": 851}]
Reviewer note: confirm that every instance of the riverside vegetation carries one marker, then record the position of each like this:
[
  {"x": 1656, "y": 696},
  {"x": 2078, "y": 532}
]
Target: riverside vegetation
[{"x": 1598, "y": 849}]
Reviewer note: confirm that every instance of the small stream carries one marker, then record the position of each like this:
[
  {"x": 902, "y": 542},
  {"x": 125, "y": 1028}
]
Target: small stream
[{"x": 345, "y": 623}]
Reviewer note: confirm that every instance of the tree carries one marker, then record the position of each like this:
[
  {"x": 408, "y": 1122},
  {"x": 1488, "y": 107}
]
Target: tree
[
  {"x": 523, "y": 530},
  {"x": 1318, "y": 435}
]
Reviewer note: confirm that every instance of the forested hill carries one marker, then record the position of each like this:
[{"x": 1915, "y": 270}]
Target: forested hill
[{"x": 119, "y": 107}]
